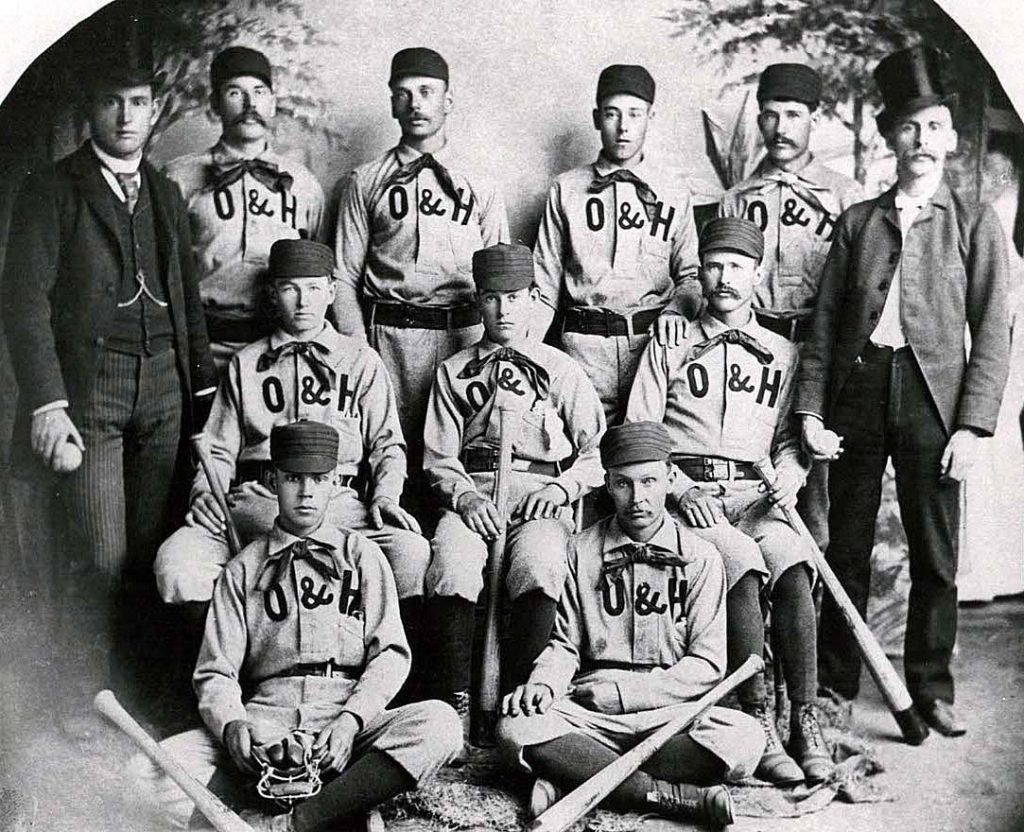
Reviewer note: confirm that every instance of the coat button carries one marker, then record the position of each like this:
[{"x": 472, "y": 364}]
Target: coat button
[
  {"x": 110, "y": 288},
  {"x": 894, "y": 258},
  {"x": 873, "y": 316},
  {"x": 883, "y": 285},
  {"x": 100, "y": 341}
]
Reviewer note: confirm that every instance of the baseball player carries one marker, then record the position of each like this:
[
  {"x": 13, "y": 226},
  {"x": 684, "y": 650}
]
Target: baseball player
[
  {"x": 555, "y": 461},
  {"x": 242, "y": 197},
  {"x": 640, "y": 628},
  {"x": 304, "y": 370},
  {"x": 305, "y": 619},
  {"x": 724, "y": 394},
  {"x": 616, "y": 251},
  {"x": 795, "y": 201},
  {"x": 408, "y": 224}
]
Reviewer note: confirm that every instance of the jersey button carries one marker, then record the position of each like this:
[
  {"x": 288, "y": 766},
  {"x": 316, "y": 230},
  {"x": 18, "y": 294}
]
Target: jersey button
[{"x": 883, "y": 285}]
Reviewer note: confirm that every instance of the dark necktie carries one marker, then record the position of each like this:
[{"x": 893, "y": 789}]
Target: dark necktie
[
  {"x": 267, "y": 173},
  {"x": 312, "y": 351},
  {"x": 408, "y": 173},
  {"x": 130, "y": 188},
  {"x": 643, "y": 190},
  {"x": 731, "y": 336},
  {"x": 280, "y": 564},
  {"x": 536, "y": 375},
  {"x": 630, "y": 553}
]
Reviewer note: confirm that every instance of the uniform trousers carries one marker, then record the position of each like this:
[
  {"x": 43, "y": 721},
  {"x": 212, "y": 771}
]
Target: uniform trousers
[
  {"x": 190, "y": 560},
  {"x": 885, "y": 410},
  {"x": 732, "y": 736},
  {"x": 610, "y": 363},
  {"x": 420, "y": 737}
]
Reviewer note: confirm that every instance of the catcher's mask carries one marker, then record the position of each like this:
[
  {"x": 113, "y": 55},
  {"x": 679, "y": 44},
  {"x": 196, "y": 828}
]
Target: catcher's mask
[{"x": 289, "y": 771}]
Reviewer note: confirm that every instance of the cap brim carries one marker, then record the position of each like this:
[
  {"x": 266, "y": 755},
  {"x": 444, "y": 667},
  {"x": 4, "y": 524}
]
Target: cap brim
[{"x": 312, "y": 465}]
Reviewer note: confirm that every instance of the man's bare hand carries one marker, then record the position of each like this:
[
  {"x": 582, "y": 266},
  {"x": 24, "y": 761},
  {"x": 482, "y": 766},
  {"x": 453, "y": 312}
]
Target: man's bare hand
[
  {"x": 700, "y": 510},
  {"x": 334, "y": 743},
  {"x": 544, "y": 502},
  {"x": 205, "y": 512},
  {"x": 48, "y": 433},
  {"x": 527, "y": 700},
  {"x": 481, "y": 515},
  {"x": 238, "y": 741},
  {"x": 820, "y": 442},
  {"x": 386, "y": 510},
  {"x": 960, "y": 454},
  {"x": 783, "y": 489},
  {"x": 602, "y": 697},
  {"x": 670, "y": 329}
]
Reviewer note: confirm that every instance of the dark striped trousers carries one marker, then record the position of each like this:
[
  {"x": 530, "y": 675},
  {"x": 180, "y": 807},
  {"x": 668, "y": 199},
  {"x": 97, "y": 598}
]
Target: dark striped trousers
[{"x": 119, "y": 497}]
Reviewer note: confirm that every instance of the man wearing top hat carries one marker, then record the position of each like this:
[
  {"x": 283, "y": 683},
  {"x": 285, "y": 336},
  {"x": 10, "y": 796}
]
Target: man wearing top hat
[
  {"x": 795, "y": 201},
  {"x": 886, "y": 367},
  {"x": 725, "y": 394},
  {"x": 616, "y": 251},
  {"x": 242, "y": 196},
  {"x": 558, "y": 422},
  {"x": 105, "y": 326},
  {"x": 302, "y": 652},
  {"x": 408, "y": 224},
  {"x": 640, "y": 630},
  {"x": 303, "y": 370}
]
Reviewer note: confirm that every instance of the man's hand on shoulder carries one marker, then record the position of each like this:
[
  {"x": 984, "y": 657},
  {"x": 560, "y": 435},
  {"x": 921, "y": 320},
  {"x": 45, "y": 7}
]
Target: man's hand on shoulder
[
  {"x": 960, "y": 454},
  {"x": 386, "y": 510},
  {"x": 205, "y": 512},
  {"x": 700, "y": 510},
  {"x": 238, "y": 741},
  {"x": 544, "y": 502},
  {"x": 526, "y": 700},
  {"x": 670, "y": 329},
  {"x": 480, "y": 515}
]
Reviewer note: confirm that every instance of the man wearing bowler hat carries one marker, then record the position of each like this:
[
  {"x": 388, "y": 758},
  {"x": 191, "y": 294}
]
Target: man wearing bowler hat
[
  {"x": 242, "y": 196},
  {"x": 886, "y": 367},
  {"x": 616, "y": 251},
  {"x": 408, "y": 224},
  {"x": 795, "y": 201},
  {"x": 105, "y": 329}
]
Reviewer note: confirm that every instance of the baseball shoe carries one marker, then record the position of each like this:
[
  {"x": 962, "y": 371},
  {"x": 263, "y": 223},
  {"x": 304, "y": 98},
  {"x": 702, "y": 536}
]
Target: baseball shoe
[
  {"x": 807, "y": 744},
  {"x": 941, "y": 716},
  {"x": 712, "y": 805},
  {"x": 776, "y": 766}
]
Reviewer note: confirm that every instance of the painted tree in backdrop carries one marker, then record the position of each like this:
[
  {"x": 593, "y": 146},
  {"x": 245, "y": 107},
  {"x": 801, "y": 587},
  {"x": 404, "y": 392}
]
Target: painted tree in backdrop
[{"x": 842, "y": 39}]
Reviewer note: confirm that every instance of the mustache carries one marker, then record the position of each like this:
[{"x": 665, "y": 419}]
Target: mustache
[
  {"x": 246, "y": 115},
  {"x": 725, "y": 290}
]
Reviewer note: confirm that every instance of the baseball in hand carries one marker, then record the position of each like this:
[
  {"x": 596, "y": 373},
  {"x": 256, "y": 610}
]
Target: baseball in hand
[
  {"x": 67, "y": 458},
  {"x": 829, "y": 443}
]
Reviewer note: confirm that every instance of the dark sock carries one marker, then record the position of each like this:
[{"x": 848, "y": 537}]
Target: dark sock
[
  {"x": 793, "y": 625},
  {"x": 574, "y": 758},
  {"x": 448, "y": 622},
  {"x": 531, "y": 619},
  {"x": 745, "y": 625},
  {"x": 683, "y": 760},
  {"x": 371, "y": 780},
  {"x": 411, "y": 612}
]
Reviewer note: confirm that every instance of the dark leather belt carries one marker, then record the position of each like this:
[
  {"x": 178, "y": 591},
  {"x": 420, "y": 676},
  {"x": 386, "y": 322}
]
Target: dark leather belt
[
  {"x": 795, "y": 329},
  {"x": 606, "y": 323},
  {"x": 598, "y": 664},
  {"x": 262, "y": 471},
  {"x": 407, "y": 316},
  {"x": 481, "y": 460},
  {"x": 330, "y": 670},
  {"x": 714, "y": 468},
  {"x": 235, "y": 330}
]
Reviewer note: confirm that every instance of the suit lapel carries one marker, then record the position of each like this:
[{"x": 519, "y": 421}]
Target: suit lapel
[
  {"x": 95, "y": 191},
  {"x": 164, "y": 228},
  {"x": 887, "y": 205}
]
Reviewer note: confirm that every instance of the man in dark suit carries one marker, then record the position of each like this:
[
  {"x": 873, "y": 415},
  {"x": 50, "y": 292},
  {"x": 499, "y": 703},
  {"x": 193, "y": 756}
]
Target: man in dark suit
[
  {"x": 106, "y": 331},
  {"x": 887, "y": 368}
]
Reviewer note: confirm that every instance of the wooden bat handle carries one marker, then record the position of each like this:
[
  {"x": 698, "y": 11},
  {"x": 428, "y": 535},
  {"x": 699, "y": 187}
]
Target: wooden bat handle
[
  {"x": 206, "y": 461},
  {"x": 888, "y": 681},
  {"x": 486, "y": 713},
  {"x": 586, "y": 796},
  {"x": 212, "y": 807}
]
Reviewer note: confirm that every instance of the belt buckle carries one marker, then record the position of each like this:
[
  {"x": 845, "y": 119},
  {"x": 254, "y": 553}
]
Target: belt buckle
[
  {"x": 407, "y": 317},
  {"x": 331, "y": 669},
  {"x": 716, "y": 469}
]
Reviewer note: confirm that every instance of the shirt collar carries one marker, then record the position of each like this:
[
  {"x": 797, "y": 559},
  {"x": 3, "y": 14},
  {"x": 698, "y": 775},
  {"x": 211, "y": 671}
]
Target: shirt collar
[
  {"x": 712, "y": 326},
  {"x": 327, "y": 337},
  {"x": 814, "y": 174},
  {"x": 326, "y": 536},
  {"x": 905, "y": 200},
  {"x": 405, "y": 154},
  {"x": 224, "y": 154},
  {"x": 665, "y": 538},
  {"x": 642, "y": 168},
  {"x": 527, "y": 347},
  {"x": 113, "y": 164}
]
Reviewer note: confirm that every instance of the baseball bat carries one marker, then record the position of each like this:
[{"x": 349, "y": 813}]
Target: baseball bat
[
  {"x": 482, "y": 728},
  {"x": 586, "y": 796},
  {"x": 203, "y": 455},
  {"x": 889, "y": 683},
  {"x": 212, "y": 807}
]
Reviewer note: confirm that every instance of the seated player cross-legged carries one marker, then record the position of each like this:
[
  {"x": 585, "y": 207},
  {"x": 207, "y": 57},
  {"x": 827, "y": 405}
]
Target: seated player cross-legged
[
  {"x": 725, "y": 395},
  {"x": 304, "y": 370},
  {"x": 558, "y": 416},
  {"x": 640, "y": 628},
  {"x": 302, "y": 652}
]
